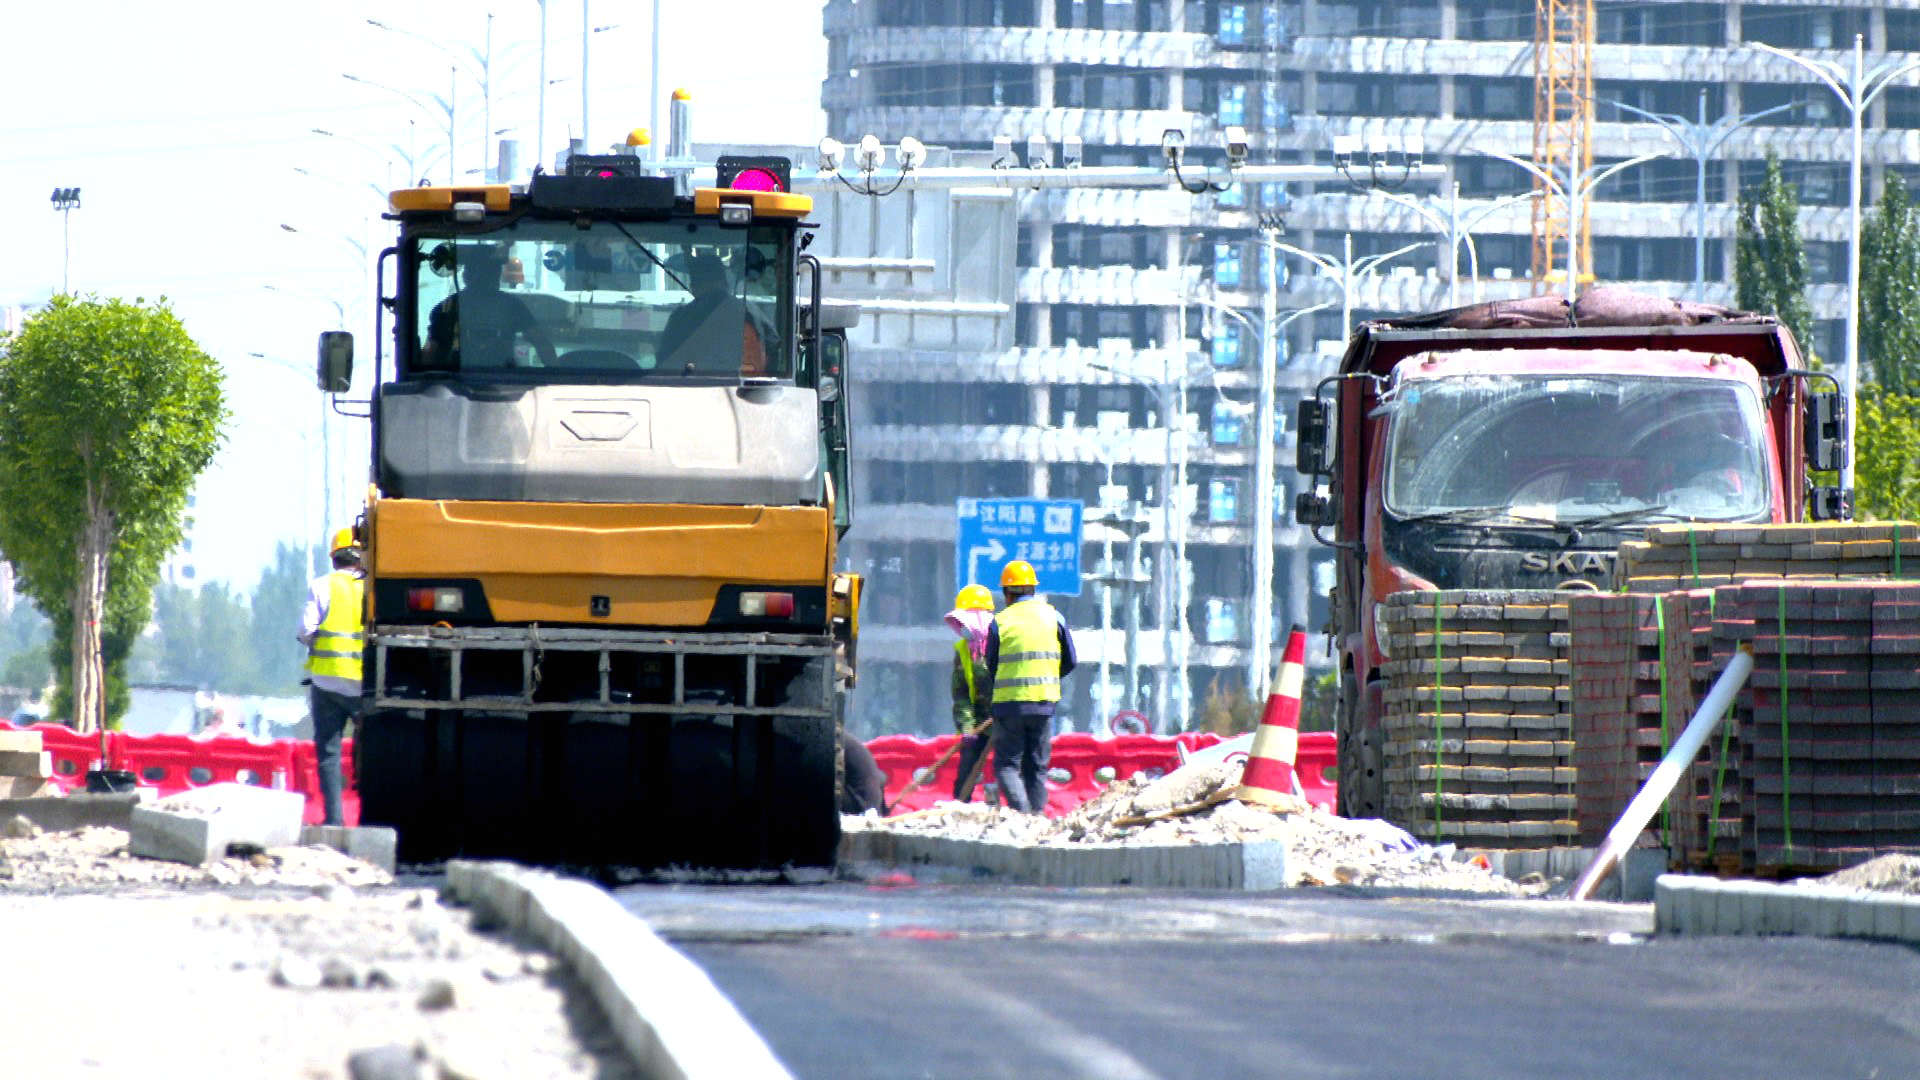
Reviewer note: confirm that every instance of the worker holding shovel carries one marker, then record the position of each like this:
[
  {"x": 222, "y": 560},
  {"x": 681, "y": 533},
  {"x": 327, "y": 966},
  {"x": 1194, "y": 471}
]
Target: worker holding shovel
[{"x": 971, "y": 617}]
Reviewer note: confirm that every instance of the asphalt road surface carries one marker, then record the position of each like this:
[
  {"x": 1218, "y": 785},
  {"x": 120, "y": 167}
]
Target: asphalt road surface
[{"x": 846, "y": 980}]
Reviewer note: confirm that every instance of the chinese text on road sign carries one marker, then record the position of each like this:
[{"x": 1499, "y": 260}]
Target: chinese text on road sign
[{"x": 994, "y": 532}]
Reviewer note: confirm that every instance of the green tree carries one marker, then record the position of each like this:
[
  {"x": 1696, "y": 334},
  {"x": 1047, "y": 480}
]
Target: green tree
[
  {"x": 108, "y": 413},
  {"x": 1770, "y": 260},
  {"x": 1887, "y": 461},
  {"x": 277, "y": 600},
  {"x": 1890, "y": 290},
  {"x": 23, "y": 648},
  {"x": 204, "y": 638}
]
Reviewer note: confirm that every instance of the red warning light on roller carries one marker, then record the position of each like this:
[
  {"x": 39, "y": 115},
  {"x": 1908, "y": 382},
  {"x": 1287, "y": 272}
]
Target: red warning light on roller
[{"x": 753, "y": 172}]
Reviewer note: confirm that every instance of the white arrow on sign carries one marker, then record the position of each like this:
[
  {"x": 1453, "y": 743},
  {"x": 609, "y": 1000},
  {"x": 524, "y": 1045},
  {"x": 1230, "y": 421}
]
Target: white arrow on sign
[{"x": 992, "y": 549}]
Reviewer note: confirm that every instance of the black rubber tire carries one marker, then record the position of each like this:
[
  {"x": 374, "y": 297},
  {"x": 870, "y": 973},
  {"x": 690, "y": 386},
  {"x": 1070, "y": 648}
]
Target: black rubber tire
[
  {"x": 391, "y": 768},
  {"x": 1362, "y": 789}
]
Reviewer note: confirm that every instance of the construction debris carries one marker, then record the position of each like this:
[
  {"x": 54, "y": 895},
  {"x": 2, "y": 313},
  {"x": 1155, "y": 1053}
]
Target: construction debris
[
  {"x": 1888, "y": 873},
  {"x": 98, "y": 859},
  {"x": 1194, "y": 805}
]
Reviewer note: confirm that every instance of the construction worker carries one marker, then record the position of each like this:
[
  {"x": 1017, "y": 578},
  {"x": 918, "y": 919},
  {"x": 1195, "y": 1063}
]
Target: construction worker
[
  {"x": 332, "y": 628},
  {"x": 971, "y": 619},
  {"x": 1029, "y": 651}
]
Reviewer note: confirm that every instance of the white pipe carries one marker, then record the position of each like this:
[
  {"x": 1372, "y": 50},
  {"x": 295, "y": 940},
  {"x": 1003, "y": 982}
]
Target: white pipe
[{"x": 1654, "y": 792}]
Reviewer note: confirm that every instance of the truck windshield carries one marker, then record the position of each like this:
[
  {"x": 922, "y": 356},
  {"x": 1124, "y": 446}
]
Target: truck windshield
[
  {"x": 549, "y": 301},
  {"x": 1558, "y": 448}
]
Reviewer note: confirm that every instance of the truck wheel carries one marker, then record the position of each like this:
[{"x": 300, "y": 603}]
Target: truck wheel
[{"x": 1362, "y": 787}]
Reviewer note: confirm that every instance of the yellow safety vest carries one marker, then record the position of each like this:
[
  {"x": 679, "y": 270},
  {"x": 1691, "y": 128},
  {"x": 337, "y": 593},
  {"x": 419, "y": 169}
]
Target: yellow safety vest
[
  {"x": 966, "y": 665},
  {"x": 338, "y": 641},
  {"x": 1029, "y": 653}
]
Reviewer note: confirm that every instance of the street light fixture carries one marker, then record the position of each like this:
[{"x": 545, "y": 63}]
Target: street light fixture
[
  {"x": 1856, "y": 91},
  {"x": 1574, "y": 189},
  {"x": 1458, "y": 227},
  {"x": 66, "y": 200},
  {"x": 1700, "y": 140},
  {"x": 446, "y": 105},
  {"x": 1347, "y": 270}
]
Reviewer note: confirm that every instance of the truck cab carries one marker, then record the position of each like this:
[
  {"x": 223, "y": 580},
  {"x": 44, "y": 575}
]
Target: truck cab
[{"x": 1449, "y": 453}]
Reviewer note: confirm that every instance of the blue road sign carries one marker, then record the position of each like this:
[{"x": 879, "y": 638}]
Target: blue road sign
[{"x": 993, "y": 532}]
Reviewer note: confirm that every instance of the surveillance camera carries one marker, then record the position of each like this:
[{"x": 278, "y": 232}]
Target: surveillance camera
[
  {"x": 831, "y": 151},
  {"x": 1344, "y": 148},
  {"x": 1377, "y": 149},
  {"x": 1414, "y": 149},
  {"x": 871, "y": 155},
  {"x": 1003, "y": 151},
  {"x": 1036, "y": 152},
  {"x": 1235, "y": 138},
  {"x": 912, "y": 152},
  {"x": 1173, "y": 142},
  {"x": 1072, "y": 151}
]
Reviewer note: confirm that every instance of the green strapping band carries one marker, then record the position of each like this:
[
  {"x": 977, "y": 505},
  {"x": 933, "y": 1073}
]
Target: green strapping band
[
  {"x": 1439, "y": 653},
  {"x": 1720, "y": 767},
  {"x": 1660, "y": 625},
  {"x": 1786, "y": 755}
]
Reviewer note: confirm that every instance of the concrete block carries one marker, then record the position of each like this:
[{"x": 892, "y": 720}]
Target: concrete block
[
  {"x": 58, "y": 814},
  {"x": 1753, "y": 908},
  {"x": 1859, "y": 919},
  {"x": 1728, "y": 910},
  {"x": 1263, "y": 866},
  {"x": 196, "y": 827},
  {"x": 21, "y": 742},
  {"x": 1910, "y": 922},
  {"x": 35, "y": 763},
  {"x": 370, "y": 844},
  {"x": 1776, "y": 911},
  {"x": 1637, "y": 872},
  {"x": 27, "y": 787},
  {"x": 1889, "y": 913}
]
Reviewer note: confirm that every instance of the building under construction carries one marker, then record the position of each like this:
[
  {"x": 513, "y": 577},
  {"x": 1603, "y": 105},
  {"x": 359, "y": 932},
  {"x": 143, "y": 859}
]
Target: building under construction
[{"x": 1108, "y": 280}]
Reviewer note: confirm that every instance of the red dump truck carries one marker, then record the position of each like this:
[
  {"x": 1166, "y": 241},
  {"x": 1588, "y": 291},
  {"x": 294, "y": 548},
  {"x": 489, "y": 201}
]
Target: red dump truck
[{"x": 1516, "y": 445}]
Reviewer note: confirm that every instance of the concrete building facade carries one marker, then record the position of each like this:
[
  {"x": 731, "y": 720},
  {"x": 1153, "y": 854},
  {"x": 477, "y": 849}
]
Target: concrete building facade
[{"x": 1129, "y": 281}]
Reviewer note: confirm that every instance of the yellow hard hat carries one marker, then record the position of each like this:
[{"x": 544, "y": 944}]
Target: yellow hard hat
[
  {"x": 974, "y": 598},
  {"x": 1018, "y": 572},
  {"x": 343, "y": 539}
]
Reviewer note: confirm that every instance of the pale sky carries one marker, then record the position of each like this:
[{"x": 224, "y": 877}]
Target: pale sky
[{"x": 188, "y": 128}]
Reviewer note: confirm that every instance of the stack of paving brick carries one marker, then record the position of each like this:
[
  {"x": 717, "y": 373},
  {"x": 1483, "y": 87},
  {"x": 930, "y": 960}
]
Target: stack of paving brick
[
  {"x": 1704, "y": 810},
  {"x": 1830, "y": 722},
  {"x": 1477, "y": 737},
  {"x": 1695, "y": 556},
  {"x": 1616, "y": 652},
  {"x": 25, "y": 768}
]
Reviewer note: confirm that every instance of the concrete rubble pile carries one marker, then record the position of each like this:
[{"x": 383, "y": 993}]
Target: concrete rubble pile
[
  {"x": 1195, "y": 805},
  {"x": 1887, "y": 873},
  {"x": 97, "y": 858}
]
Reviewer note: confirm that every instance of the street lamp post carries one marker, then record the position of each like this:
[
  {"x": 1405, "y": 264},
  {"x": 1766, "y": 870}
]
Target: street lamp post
[
  {"x": 1700, "y": 140},
  {"x": 1159, "y": 390},
  {"x": 1856, "y": 91},
  {"x": 445, "y": 105},
  {"x": 1575, "y": 189},
  {"x": 312, "y": 530},
  {"x": 1458, "y": 227},
  {"x": 1347, "y": 270},
  {"x": 66, "y": 200}
]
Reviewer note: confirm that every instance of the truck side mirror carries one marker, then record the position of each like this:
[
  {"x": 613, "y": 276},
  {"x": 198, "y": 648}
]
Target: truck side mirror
[
  {"x": 1829, "y": 504},
  {"x": 1313, "y": 437},
  {"x": 1314, "y": 508},
  {"x": 1826, "y": 423},
  {"x": 336, "y": 361}
]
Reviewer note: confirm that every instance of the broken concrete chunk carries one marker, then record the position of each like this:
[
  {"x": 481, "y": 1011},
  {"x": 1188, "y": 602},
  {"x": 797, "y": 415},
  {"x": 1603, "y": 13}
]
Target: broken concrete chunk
[{"x": 370, "y": 844}]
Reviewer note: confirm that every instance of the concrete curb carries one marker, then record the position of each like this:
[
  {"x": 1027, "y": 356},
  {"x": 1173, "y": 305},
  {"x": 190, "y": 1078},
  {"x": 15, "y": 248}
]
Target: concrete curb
[
  {"x": 1684, "y": 904},
  {"x": 669, "y": 1017},
  {"x": 1188, "y": 866},
  {"x": 1631, "y": 880}
]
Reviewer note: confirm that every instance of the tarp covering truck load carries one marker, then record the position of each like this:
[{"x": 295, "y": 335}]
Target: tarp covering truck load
[
  {"x": 608, "y": 481},
  {"x": 1517, "y": 445}
]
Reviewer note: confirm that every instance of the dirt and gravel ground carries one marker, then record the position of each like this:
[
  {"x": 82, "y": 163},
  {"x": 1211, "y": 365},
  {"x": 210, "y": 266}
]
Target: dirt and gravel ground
[
  {"x": 1194, "y": 805},
  {"x": 285, "y": 964}
]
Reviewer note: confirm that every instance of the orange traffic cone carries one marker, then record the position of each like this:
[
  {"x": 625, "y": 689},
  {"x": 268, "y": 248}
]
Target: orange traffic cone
[{"x": 1269, "y": 777}]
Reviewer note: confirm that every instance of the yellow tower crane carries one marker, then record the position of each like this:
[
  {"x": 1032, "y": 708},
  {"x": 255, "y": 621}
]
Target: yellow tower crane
[{"x": 1562, "y": 134}]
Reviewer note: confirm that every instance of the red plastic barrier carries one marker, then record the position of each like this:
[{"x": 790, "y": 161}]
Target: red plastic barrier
[
  {"x": 1082, "y": 766},
  {"x": 1317, "y": 764},
  {"x": 174, "y": 763}
]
